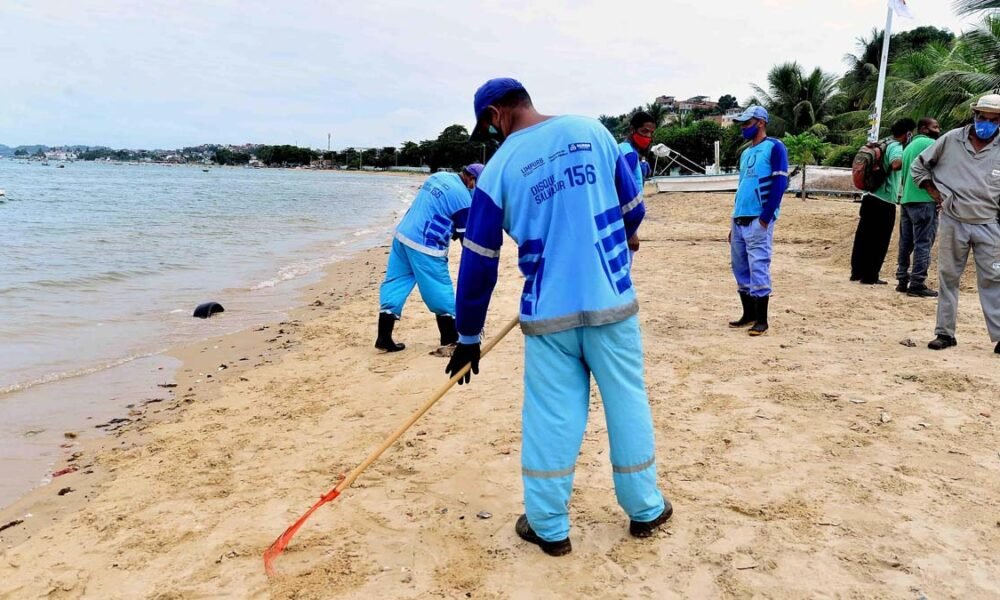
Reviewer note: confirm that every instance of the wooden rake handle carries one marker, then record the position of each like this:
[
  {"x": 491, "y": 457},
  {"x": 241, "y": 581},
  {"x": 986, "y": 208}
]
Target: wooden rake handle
[{"x": 389, "y": 441}]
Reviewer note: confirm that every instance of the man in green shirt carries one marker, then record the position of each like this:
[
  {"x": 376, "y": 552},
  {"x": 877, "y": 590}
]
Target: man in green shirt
[
  {"x": 918, "y": 219},
  {"x": 878, "y": 212}
]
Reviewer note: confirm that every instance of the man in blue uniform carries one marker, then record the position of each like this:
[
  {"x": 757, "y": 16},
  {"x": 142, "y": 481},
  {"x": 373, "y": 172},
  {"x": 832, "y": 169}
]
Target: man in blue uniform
[
  {"x": 763, "y": 181},
  {"x": 419, "y": 254},
  {"x": 560, "y": 187},
  {"x": 640, "y": 136}
]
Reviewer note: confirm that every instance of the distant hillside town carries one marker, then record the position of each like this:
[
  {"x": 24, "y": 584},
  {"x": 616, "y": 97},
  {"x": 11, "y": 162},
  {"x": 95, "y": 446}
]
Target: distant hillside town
[{"x": 450, "y": 150}]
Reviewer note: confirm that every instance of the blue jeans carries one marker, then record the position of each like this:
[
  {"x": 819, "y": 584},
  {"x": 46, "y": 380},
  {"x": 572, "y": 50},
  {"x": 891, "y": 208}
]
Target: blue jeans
[
  {"x": 918, "y": 225},
  {"x": 557, "y": 369},
  {"x": 408, "y": 267},
  {"x": 750, "y": 250}
]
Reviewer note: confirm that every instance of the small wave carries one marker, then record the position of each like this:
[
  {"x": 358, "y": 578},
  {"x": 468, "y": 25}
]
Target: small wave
[
  {"x": 97, "y": 278},
  {"x": 362, "y": 232},
  {"x": 288, "y": 273},
  {"x": 54, "y": 377}
]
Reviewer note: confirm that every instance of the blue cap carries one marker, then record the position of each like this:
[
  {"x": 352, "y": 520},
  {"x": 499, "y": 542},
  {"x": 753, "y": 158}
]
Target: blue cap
[
  {"x": 475, "y": 169},
  {"x": 487, "y": 94},
  {"x": 754, "y": 112},
  {"x": 493, "y": 90}
]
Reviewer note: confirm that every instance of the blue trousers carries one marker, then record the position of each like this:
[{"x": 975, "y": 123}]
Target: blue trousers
[
  {"x": 408, "y": 267},
  {"x": 557, "y": 369},
  {"x": 751, "y": 249},
  {"x": 918, "y": 224}
]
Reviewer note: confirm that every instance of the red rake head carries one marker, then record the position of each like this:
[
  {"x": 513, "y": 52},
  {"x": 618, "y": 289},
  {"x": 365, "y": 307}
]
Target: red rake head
[{"x": 278, "y": 546}]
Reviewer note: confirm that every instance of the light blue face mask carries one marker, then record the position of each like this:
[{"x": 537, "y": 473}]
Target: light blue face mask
[
  {"x": 986, "y": 129},
  {"x": 496, "y": 134}
]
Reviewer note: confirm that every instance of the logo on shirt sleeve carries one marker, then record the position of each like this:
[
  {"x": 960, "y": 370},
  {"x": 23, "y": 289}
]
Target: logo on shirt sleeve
[{"x": 581, "y": 147}]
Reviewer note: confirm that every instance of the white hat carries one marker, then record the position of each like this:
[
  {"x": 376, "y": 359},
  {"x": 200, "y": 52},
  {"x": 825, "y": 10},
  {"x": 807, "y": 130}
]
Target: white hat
[{"x": 989, "y": 103}]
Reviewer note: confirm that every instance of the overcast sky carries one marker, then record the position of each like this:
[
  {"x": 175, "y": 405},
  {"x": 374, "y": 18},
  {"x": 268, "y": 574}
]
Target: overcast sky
[{"x": 165, "y": 74}]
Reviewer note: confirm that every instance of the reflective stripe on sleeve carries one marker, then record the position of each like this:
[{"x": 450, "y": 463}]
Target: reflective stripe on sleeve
[{"x": 480, "y": 250}]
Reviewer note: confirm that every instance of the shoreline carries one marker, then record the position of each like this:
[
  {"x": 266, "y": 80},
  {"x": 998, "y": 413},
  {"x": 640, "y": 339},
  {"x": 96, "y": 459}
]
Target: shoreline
[
  {"x": 199, "y": 366},
  {"x": 41, "y": 408},
  {"x": 812, "y": 449}
]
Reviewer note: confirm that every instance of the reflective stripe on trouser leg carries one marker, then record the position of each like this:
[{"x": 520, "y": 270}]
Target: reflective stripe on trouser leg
[
  {"x": 759, "y": 249},
  {"x": 434, "y": 281},
  {"x": 554, "y": 417},
  {"x": 398, "y": 283},
  {"x": 614, "y": 354},
  {"x": 953, "y": 254},
  {"x": 739, "y": 260},
  {"x": 986, "y": 250}
]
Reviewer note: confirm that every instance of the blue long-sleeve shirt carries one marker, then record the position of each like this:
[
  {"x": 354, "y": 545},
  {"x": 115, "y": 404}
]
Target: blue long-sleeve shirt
[
  {"x": 440, "y": 208},
  {"x": 763, "y": 180},
  {"x": 565, "y": 194},
  {"x": 632, "y": 159}
]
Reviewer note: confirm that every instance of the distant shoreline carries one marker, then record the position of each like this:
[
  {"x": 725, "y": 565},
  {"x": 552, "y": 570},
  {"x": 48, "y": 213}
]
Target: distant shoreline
[{"x": 394, "y": 172}]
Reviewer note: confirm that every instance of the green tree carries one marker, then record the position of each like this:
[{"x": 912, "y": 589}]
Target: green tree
[
  {"x": 658, "y": 112},
  {"x": 20, "y": 153},
  {"x": 805, "y": 149},
  {"x": 696, "y": 142},
  {"x": 956, "y": 76},
  {"x": 612, "y": 123},
  {"x": 798, "y": 101},
  {"x": 728, "y": 101},
  {"x": 971, "y": 6},
  {"x": 860, "y": 82},
  {"x": 409, "y": 154}
]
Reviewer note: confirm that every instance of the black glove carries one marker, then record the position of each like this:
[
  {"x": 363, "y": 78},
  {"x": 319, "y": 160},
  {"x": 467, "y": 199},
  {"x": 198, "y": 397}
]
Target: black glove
[{"x": 463, "y": 355}]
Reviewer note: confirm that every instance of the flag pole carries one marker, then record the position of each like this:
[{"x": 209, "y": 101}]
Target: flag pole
[{"x": 873, "y": 134}]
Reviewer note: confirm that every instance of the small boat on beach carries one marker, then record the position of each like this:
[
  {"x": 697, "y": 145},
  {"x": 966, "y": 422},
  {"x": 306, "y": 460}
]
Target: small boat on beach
[
  {"x": 833, "y": 181},
  {"x": 697, "y": 183}
]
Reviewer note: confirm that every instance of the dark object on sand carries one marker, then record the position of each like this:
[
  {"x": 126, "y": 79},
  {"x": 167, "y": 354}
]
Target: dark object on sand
[
  {"x": 13, "y": 523},
  {"x": 208, "y": 309}
]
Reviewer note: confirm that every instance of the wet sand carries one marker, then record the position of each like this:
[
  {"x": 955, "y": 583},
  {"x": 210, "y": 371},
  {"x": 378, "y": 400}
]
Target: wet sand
[{"x": 826, "y": 459}]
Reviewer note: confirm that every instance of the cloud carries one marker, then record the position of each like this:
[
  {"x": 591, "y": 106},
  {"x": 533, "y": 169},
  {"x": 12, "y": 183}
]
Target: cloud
[{"x": 380, "y": 72}]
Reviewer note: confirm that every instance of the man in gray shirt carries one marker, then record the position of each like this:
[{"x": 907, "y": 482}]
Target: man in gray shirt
[{"x": 961, "y": 172}]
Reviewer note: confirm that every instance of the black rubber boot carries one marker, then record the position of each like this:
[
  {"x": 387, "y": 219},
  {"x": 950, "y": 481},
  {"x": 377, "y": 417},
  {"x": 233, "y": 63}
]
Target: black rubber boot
[
  {"x": 760, "y": 327},
  {"x": 748, "y": 312},
  {"x": 384, "y": 341},
  {"x": 446, "y": 325},
  {"x": 640, "y": 529},
  {"x": 526, "y": 533}
]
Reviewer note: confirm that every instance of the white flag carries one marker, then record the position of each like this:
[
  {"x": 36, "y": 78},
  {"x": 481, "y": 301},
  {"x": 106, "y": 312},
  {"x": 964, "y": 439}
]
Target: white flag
[{"x": 901, "y": 9}]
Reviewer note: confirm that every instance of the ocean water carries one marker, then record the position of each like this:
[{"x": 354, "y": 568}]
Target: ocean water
[{"x": 101, "y": 266}]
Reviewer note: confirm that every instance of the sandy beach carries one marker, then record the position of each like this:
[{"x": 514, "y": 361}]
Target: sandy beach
[{"x": 835, "y": 457}]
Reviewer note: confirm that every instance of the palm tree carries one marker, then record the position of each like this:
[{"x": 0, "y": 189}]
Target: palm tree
[
  {"x": 798, "y": 101},
  {"x": 658, "y": 112},
  {"x": 958, "y": 77},
  {"x": 610, "y": 122},
  {"x": 971, "y": 6},
  {"x": 861, "y": 80}
]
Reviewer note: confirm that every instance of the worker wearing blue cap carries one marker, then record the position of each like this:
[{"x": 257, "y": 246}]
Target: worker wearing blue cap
[
  {"x": 561, "y": 188},
  {"x": 419, "y": 254},
  {"x": 763, "y": 182}
]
